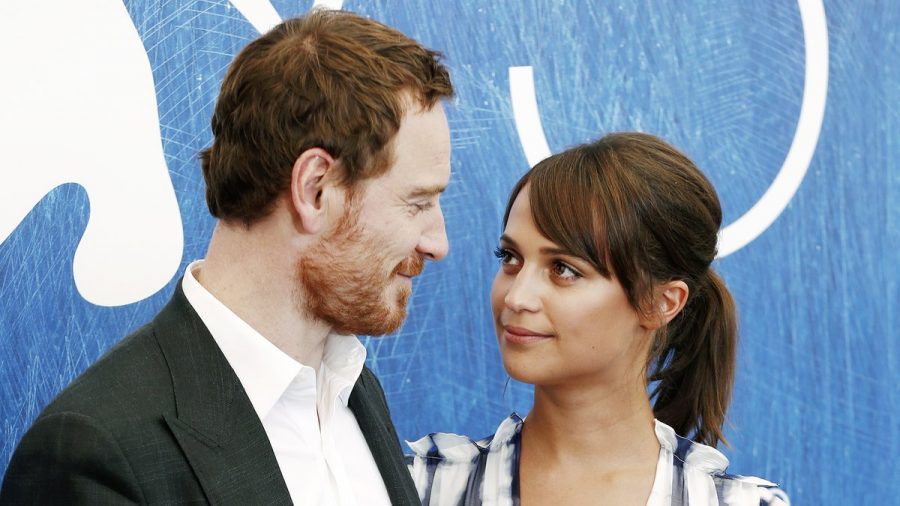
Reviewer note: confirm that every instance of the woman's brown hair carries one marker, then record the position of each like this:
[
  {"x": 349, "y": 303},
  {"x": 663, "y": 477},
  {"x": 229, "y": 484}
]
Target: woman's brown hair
[{"x": 638, "y": 210}]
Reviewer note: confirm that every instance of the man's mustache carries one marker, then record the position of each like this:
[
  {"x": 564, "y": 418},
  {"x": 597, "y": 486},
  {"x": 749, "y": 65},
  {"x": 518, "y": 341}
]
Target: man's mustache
[{"x": 412, "y": 266}]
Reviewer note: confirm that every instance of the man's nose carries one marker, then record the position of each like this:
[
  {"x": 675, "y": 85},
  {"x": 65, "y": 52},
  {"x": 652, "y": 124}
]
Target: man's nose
[{"x": 433, "y": 243}]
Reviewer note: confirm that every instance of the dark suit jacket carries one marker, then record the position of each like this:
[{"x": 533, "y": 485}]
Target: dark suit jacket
[{"x": 162, "y": 418}]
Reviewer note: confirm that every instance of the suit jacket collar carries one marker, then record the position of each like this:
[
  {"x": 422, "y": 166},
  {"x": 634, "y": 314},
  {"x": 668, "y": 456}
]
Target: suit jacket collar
[
  {"x": 223, "y": 438},
  {"x": 368, "y": 404},
  {"x": 215, "y": 423}
]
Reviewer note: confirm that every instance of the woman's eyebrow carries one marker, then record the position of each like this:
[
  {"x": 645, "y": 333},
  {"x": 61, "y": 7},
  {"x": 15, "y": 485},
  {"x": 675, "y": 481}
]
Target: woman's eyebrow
[
  {"x": 546, "y": 250},
  {"x": 555, "y": 251},
  {"x": 507, "y": 239}
]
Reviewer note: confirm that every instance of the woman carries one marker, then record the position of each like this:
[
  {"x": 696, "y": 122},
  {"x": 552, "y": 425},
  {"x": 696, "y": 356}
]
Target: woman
[{"x": 604, "y": 288}]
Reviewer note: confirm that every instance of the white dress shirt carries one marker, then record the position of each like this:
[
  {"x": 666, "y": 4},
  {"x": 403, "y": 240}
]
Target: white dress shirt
[{"x": 320, "y": 449}]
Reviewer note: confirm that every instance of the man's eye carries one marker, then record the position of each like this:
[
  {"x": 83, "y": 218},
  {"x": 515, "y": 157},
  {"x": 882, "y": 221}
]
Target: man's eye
[{"x": 419, "y": 207}]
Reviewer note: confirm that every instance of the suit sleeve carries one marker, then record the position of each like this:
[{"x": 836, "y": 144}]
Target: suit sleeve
[{"x": 68, "y": 458}]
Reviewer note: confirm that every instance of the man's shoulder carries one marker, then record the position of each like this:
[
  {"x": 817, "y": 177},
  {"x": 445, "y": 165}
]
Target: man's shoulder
[
  {"x": 130, "y": 379},
  {"x": 109, "y": 424}
]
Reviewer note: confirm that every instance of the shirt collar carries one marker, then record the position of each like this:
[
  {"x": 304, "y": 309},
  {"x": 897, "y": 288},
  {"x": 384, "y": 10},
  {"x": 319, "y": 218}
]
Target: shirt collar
[
  {"x": 700, "y": 456},
  {"x": 342, "y": 363},
  {"x": 692, "y": 453},
  {"x": 265, "y": 371}
]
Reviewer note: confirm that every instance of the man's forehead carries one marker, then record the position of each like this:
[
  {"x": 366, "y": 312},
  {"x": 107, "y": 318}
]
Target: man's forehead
[
  {"x": 421, "y": 156},
  {"x": 424, "y": 128},
  {"x": 408, "y": 182}
]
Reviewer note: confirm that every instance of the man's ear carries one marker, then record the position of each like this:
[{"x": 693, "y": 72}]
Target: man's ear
[
  {"x": 669, "y": 299},
  {"x": 312, "y": 170}
]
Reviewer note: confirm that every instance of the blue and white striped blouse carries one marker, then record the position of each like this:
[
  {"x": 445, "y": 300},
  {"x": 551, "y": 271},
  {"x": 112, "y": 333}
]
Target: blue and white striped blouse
[{"x": 450, "y": 469}]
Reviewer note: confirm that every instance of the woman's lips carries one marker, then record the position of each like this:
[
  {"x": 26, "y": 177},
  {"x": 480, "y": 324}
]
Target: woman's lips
[{"x": 522, "y": 335}]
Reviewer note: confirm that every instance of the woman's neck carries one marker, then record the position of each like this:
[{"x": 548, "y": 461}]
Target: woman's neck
[{"x": 607, "y": 426}]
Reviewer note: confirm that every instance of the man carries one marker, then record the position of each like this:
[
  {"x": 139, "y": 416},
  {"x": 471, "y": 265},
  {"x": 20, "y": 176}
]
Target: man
[{"x": 331, "y": 150}]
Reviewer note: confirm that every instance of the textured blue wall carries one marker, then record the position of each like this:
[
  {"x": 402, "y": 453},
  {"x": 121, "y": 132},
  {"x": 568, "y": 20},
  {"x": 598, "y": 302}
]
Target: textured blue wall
[{"x": 813, "y": 408}]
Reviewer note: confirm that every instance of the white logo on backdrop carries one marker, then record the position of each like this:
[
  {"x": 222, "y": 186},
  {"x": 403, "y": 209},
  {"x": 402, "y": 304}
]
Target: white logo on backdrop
[
  {"x": 756, "y": 220},
  {"x": 79, "y": 106}
]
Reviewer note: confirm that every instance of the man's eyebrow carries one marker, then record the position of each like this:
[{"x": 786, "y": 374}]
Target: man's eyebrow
[{"x": 426, "y": 191}]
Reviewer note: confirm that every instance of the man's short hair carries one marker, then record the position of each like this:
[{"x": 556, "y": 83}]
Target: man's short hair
[{"x": 329, "y": 79}]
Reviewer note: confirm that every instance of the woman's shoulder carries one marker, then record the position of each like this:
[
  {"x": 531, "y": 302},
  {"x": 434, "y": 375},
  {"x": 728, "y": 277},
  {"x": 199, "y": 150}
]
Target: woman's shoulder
[
  {"x": 450, "y": 447},
  {"x": 456, "y": 468},
  {"x": 739, "y": 490},
  {"x": 698, "y": 464}
]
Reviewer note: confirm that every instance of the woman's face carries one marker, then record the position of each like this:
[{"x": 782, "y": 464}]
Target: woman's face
[{"x": 557, "y": 319}]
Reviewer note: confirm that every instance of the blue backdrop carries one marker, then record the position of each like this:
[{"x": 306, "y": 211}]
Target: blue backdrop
[{"x": 813, "y": 408}]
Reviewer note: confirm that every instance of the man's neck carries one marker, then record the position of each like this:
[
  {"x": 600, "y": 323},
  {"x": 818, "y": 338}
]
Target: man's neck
[{"x": 258, "y": 285}]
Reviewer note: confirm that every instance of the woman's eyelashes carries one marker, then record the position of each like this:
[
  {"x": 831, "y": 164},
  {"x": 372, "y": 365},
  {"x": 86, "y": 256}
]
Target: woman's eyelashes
[
  {"x": 505, "y": 256},
  {"x": 565, "y": 271}
]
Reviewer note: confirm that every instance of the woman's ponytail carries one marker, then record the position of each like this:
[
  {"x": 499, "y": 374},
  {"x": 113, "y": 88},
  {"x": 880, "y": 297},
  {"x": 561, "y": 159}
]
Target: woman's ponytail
[{"x": 694, "y": 363}]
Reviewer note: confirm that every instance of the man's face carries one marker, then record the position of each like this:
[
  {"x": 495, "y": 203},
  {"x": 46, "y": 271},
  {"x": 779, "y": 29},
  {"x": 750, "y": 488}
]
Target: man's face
[{"x": 359, "y": 277}]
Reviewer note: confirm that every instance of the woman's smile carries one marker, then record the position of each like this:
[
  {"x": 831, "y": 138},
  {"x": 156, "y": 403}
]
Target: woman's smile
[{"x": 521, "y": 335}]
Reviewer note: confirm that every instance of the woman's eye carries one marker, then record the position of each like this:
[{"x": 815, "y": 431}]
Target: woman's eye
[
  {"x": 564, "y": 271},
  {"x": 505, "y": 256}
]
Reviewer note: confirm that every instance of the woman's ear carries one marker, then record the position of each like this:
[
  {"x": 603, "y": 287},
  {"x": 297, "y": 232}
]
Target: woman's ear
[
  {"x": 312, "y": 170},
  {"x": 668, "y": 301}
]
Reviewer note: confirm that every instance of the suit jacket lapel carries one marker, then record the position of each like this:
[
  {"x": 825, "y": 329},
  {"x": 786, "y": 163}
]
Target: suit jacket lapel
[
  {"x": 215, "y": 423},
  {"x": 370, "y": 408}
]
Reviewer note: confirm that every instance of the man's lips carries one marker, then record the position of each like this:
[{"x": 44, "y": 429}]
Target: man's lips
[{"x": 521, "y": 335}]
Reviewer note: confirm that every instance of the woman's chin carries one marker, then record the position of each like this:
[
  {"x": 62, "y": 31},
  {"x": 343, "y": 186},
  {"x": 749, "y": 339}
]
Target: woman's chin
[{"x": 523, "y": 372}]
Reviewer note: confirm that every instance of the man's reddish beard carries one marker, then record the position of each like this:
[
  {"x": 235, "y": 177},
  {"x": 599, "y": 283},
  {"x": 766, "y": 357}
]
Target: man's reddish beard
[{"x": 342, "y": 281}]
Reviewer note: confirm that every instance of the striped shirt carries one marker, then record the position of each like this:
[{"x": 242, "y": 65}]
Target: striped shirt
[{"x": 452, "y": 470}]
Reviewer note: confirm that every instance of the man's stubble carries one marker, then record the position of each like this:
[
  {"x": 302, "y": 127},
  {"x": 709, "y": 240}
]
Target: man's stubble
[{"x": 344, "y": 280}]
